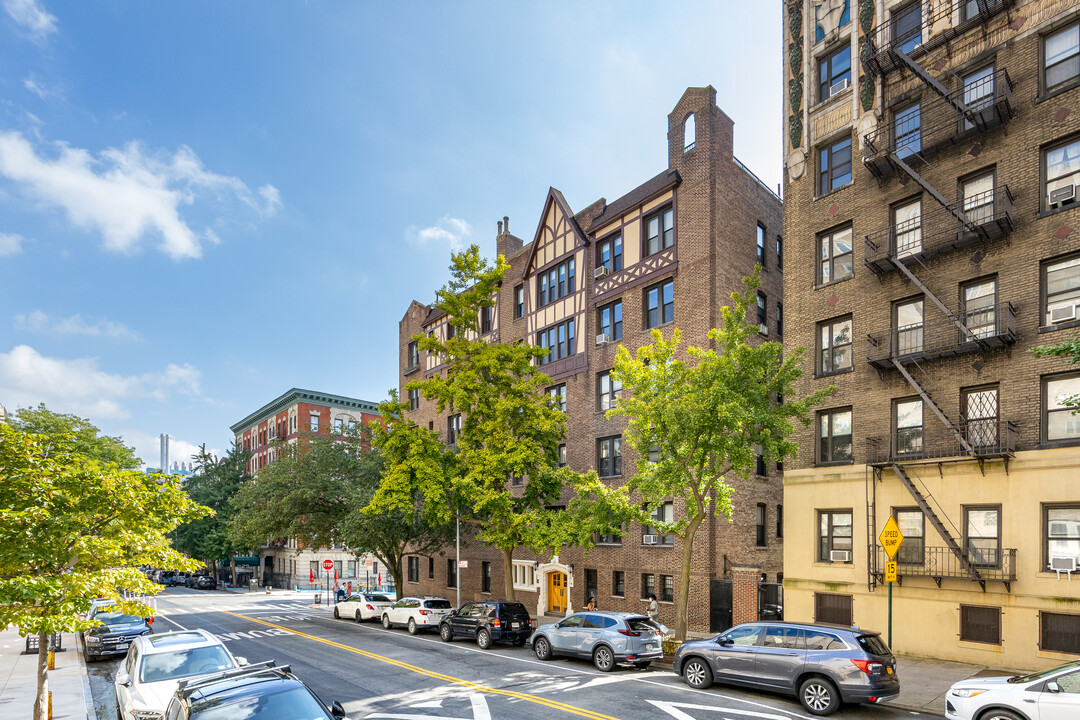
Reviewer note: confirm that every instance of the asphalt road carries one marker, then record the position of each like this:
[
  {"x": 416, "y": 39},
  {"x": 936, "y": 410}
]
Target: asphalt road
[{"x": 377, "y": 673}]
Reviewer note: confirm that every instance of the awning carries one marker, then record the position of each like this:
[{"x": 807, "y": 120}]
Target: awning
[{"x": 246, "y": 561}]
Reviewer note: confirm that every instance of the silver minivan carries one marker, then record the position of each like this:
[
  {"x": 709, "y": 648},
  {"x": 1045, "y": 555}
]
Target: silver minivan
[{"x": 608, "y": 638}]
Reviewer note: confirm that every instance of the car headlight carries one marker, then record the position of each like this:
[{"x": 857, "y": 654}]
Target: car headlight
[
  {"x": 145, "y": 714},
  {"x": 93, "y": 640},
  {"x": 967, "y": 692}
]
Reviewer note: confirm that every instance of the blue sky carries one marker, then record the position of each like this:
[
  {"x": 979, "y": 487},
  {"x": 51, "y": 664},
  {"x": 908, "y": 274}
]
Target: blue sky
[{"x": 204, "y": 204}]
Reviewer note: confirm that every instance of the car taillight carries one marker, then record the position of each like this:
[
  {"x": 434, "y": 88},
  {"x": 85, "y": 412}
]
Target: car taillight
[
  {"x": 425, "y": 612},
  {"x": 630, "y": 633},
  {"x": 369, "y": 607},
  {"x": 497, "y": 623},
  {"x": 868, "y": 666}
]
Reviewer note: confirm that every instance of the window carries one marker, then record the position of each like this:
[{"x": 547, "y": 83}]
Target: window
[
  {"x": 618, "y": 583},
  {"x": 835, "y": 344},
  {"x": 609, "y": 321},
  {"x": 339, "y": 426},
  {"x": 689, "y": 133},
  {"x": 485, "y": 320},
  {"x": 834, "y": 536},
  {"x": 659, "y": 231},
  {"x": 558, "y": 340},
  {"x": 779, "y": 522},
  {"x": 908, "y": 321},
  {"x": 978, "y": 93},
  {"x": 431, "y": 568},
  {"x": 1061, "y": 56},
  {"x": 836, "y": 261},
  {"x": 414, "y": 569},
  {"x": 779, "y": 253},
  {"x": 977, "y": 194},
  {"x": 609, "y": 456},
  {"x": 834, "y": 166},
  {"x": 451, "y": 331},
  {"x": 562, "y": 453},
  {"x": 980, "y": 624},
  {"x": 558, "y": 282},
  {"x": 834, "y": 436},
  {"x": 759, "y": 517},
  {"x": 763, "y": 313},
  {"x": 760, "y": 460},
  {"x": 414, "y": 354},
  {"x": 1059, "y": 397},
  {"x": 660, "y": 304},
  {"x": 485, "y": 576},
  {"x": 907, "y": 228},
  {"x": 352, "y": 425},
  {"x": 608, "y": 390},
  {"x": 912, "y": 526},
  {"x": 834, "y": 72},
  {"x": 609, "y": 539},
  {"x": 1062, "y": 282},
  {"x": 664, "y": 512},
  {"x": 828, "y": 608},
  {"x": 907, "y": 27},
  {"x": 524, "y": 575},
  {"x": 779, "y": 320},
  {"x": 908, "y": 415},
  {"x": 667, "y": 588},
  {"x": 517, "y": 480},
  {"x": 761, "y": 245},
  {"x": 519, "y": 301},
  {"x": 558, "y": 394},
  {"x": 979, "y": 416},
  {"x": 1061, "y": 532},
  {"x": 453, "y": 429},
  {"x": 907, "y": 130},
  {"x": 979, "y": 307},
  {"x": 1059, "y": 632},
  {"x": 313, "y": 422},
  {"x": 609, "y": 253},
  {"x": 982, "y": 536},
  {"x": 451, "y": 573},
  {"x": 414, "y": 399},
  {"x": 1061, "y": 168},
  {"x": 648, "y": 585}
]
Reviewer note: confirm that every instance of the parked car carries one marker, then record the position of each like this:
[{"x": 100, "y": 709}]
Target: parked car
[
  {"x": 823, "y": 665},
  {"x": 417, "y": 613},
  {"x": 1049, "y": 695},
  {"x": 253, "y": 693},
  {"x": 114, "y": 633},
  {"x": 362, "y": 606},
  {"x": 488, "y": 622},
  {"x": 205, "y": 582},
  {"x": 608, "y": 638},
  {"x": 155, "y": 665}
]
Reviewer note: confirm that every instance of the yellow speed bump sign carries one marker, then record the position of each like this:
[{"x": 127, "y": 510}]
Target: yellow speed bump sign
[{"x": 891, "y": 537}]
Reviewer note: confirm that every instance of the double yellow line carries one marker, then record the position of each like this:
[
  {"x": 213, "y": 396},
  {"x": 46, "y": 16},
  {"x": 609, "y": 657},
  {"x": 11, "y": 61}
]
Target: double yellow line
[{"x": 438, "y": 676}]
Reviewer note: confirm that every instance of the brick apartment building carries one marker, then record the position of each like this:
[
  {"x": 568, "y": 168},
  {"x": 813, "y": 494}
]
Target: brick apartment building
[
  {"x": 288, "y": 564},
  {"x": 933, "y": 239},
  {"x": 667, "y": 254}
]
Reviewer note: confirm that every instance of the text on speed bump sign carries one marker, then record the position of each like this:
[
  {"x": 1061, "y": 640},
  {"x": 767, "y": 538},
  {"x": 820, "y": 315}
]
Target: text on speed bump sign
[{"x": 891, "y": 537}]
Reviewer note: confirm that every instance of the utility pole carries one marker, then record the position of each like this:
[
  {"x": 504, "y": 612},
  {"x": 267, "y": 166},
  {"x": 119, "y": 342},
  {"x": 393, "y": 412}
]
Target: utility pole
[{"x": 457, "y": 559}]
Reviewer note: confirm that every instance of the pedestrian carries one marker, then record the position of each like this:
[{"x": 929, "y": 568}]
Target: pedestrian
[
  {"x": 348, "y": 585},
  {"x": 592, "y": 604},
  {"x": 654, "y": 609}
]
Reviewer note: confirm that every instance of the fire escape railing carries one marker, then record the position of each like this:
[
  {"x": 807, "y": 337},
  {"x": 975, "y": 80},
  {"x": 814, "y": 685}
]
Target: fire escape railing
[
  {"x": 988, "y": 438},
  {"x": 989, "y": 327}
]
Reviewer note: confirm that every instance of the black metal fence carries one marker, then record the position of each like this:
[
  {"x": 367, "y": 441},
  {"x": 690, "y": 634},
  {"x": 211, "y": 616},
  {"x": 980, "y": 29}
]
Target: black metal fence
[{"x": 988, "y": 438}]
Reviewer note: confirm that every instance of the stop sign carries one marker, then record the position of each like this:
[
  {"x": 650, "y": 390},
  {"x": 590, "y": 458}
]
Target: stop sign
[{"x": 327, "y": 564}]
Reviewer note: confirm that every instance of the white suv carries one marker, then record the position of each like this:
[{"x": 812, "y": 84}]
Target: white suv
[
  {"x": 417, "y": 613},
  {"x": 155, "y": 664}
]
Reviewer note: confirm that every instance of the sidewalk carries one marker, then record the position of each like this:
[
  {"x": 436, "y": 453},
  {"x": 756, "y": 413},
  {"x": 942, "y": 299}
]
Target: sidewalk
[
  {"x": 924, "y": 682},
  {"x": 18, "y": 680}
]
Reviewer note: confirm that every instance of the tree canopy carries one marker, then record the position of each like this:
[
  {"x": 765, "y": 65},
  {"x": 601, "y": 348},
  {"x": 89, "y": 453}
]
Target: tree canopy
[{"x": 214, "y": 485}]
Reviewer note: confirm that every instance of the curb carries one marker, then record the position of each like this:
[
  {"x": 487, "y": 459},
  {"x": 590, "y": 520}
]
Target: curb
[{"x": 88, "y": 695}]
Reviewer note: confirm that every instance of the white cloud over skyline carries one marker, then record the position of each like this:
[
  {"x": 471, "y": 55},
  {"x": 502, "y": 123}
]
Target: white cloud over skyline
[
  {"x": 10, "y": 244},
  {"x": 449, "y": 230},
  {"x": 41, "y": 322},
  {"x": 31, "y": 16}
]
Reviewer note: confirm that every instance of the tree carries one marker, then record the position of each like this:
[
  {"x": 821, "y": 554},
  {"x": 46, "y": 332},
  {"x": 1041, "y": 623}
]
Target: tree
[
  {"x": 1068, "y": 349},
  {"x": 704, "y": 422},
  {"x": 509, "y": 428},
  {"x": 74, "y": 525}
]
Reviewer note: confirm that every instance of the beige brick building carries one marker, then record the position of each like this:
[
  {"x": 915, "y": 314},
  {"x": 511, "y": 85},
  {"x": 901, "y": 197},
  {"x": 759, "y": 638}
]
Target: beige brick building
[
  {"x": 667, "y": 254},
  {"x": 932, "y": 162}
]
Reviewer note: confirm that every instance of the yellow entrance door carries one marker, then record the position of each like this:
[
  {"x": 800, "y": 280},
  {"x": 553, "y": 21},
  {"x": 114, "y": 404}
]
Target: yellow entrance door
[{"x": 557, "y": 592}]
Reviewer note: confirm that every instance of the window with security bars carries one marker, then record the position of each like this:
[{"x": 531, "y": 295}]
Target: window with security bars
[
  {"x": 832, "y": 608},
  {"x": 1059, "y": 632},
  {"x": 981, "y": 624},
  {"x": 979, "y": 416}
]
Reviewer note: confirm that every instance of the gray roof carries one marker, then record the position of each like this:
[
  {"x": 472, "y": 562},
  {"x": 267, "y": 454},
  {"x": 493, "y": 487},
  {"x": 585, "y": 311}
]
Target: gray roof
[{"x": 296, "y": 395}]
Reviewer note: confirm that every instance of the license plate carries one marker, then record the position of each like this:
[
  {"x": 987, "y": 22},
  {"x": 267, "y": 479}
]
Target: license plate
[
  {"x": 517, "y": 626},
  {"x": 121, "y": 646},
  {"x": 888, "y": 671}
]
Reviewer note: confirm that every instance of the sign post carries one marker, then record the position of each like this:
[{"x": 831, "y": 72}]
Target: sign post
[
  {"x": 328, "y": 565},
  {"x": 890, "y": 539}
]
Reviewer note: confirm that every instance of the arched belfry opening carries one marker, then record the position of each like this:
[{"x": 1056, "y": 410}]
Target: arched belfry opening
[{"x": 689, "y": 133}]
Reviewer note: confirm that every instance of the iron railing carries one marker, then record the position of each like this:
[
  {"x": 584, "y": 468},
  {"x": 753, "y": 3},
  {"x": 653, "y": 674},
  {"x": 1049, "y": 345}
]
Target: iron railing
[
  {"x": 988, "y": 438},
  {"x": 915, "y": 560},
  {"x": 993, "y": 326}
]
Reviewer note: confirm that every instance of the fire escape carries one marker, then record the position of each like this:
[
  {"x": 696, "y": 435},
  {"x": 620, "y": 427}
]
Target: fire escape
[{"x": 922, "y": 124}]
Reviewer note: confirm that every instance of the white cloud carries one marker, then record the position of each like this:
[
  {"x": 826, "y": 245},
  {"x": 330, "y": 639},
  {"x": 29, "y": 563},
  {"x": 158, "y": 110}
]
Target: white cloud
[
  {"x": 80, "y": 386},
  {"x": 31, "y": 16},
  {"x": 10, "y": 244},
  {"x": 127, "y": 193},
  {"x": 450, "y": 230},
  {"x": 40, "y": 322},
  {"x": 32, "y": 84}
]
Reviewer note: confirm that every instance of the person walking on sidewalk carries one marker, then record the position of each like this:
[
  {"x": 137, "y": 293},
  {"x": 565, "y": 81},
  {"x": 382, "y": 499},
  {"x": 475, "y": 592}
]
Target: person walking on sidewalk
[{"x": 654, "y": 609}]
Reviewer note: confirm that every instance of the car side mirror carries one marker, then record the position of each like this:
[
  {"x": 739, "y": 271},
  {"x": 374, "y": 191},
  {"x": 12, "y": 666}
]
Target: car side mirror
[
  {"x": 1053, "y": 687},
  {"x": 337, "y": 711},
  {"x": 241, "y": 661},
  {"x": 122, "y": 678},
  {"x": 726, "y": 642}
]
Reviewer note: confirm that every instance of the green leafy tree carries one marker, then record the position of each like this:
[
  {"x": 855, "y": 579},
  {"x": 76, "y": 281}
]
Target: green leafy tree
[
  {"x": 1069, "y": 349},
  {"x": 75, "y": 524},
  {"x": 704, "y": 420},
  {"x": 509, "y": 428}
]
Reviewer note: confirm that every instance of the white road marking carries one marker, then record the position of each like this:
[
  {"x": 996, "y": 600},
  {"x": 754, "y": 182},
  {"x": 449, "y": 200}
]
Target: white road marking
[
  {"x": 672, "y": 709},
  {"x": 479, "y": 708}
]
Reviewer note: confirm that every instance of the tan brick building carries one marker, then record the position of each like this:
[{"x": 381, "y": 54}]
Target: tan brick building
[
  {"x": 667, "y": 254},
  {"x": 932, "y": 162}
]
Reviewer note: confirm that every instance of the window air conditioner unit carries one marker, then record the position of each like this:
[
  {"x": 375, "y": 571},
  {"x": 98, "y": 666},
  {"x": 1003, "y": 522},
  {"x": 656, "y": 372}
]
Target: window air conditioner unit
[
  {"x": 763, "y": 329},
  {"x": 1063, "y": 565},
  {"x": 603, "y": 338},
  {"x": 1062, "y": 196},
  {"x": 840, "y": 556},
  {"x": 839, "y": 86},
  {"x": 1063, "y": 313},
  {"x": 600, "y": 272},
  {"x": 650, "y": 539}
]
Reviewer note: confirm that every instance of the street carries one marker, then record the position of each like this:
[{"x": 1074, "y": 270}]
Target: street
[{"x": 377, "y": 673}]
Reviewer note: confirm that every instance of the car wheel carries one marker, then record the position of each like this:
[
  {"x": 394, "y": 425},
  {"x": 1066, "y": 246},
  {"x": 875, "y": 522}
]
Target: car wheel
[
  {"x": 386, "y": 621},
  {"x": 483, "y": 639},
  {"x": 542, "y": 648},
  {"x": 1000, "y": 715},
  {"x": 819, "y": 696},
  {"x": 445, "y": 632},
  {"x": 643, "y": 665},
  {"x": 697, "y": 674},
  {"x": 412, "y": 626},
  {"x": 358, "y": 617},
  {"x": 337, "y": 615},
  {"x": 603, "y": 659}
]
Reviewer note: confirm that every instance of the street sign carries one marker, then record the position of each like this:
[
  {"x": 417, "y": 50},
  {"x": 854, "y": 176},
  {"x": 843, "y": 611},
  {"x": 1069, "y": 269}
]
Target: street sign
[
  {"x": 891, "y": 537},
  {"x": 327, "y": 564},
  {"x": 463, "y": 563},
  {"x": 890, "y": 571}
]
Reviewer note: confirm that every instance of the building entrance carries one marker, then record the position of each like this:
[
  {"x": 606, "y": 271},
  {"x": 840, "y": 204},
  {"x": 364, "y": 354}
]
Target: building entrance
[{"x": 557, "y": 592}]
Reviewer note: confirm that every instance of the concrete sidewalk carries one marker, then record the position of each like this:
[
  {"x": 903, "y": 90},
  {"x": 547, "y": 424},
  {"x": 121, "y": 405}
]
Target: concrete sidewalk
[{"x": 18, "y": 680}]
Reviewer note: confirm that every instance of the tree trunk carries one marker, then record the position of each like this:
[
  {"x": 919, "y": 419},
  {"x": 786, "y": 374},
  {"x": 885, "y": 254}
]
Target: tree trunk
[
  {"x": 683, "y": 599},
  {"x": 392, "y": 561},
  {"x": 41, "y": 702},
  {"x": 232, "y": 566},
  {"x": 508, "y": 573}
]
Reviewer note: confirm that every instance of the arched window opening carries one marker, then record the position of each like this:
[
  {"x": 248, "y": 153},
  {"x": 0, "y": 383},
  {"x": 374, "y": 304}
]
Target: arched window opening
[{"x": 689, "y": 133}]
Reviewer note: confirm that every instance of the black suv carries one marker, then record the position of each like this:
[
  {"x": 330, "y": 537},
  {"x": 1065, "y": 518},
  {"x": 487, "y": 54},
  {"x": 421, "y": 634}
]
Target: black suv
[
  {"x": 113, "y": 633},
  {"x": 255, "y": 692},
  {"x": 488, "y": 621}
]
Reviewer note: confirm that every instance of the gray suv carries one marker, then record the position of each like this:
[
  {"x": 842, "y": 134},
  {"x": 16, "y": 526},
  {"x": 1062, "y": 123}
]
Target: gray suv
[
  {"x": 608, "y": 638},
  {"x": 824, "y": 665}
]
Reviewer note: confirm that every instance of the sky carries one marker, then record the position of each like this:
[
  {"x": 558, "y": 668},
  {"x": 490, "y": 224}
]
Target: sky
[{"x": 205, "y": 204}]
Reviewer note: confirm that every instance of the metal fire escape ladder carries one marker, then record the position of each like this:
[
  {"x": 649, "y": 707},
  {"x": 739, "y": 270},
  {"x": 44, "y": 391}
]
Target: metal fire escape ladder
[
  {"x": 925, "y": 185},
  {"x": 965, "y": 331},
  {"x": 932, "y": 516},
  {"x": 933, "y": 406},
  {"x": 956, "y": 100}
]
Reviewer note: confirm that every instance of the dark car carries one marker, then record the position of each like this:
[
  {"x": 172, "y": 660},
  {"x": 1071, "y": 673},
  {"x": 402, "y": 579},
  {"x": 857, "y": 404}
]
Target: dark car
[
  {"x": 205, "y": 582},
  {"x": 114, "y": 632},
  {"x": 255, "y": 692},
  {"x": 488, "y": 622},
  {"x": 823, "y": 665}
]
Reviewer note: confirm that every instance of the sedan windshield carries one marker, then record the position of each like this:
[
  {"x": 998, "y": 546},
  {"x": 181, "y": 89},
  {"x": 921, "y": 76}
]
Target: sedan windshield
[
  {"x": 1045, "y": 673},
  {"x": 184, "y": 663},
  {"x": 294, "y": 704}
]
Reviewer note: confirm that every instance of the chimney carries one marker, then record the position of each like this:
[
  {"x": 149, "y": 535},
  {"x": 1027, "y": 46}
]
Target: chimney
[
  {"x": 500, "y": 228},
  {"x": 506, "y": 244},
  {"x": 506, "y": 224}
]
